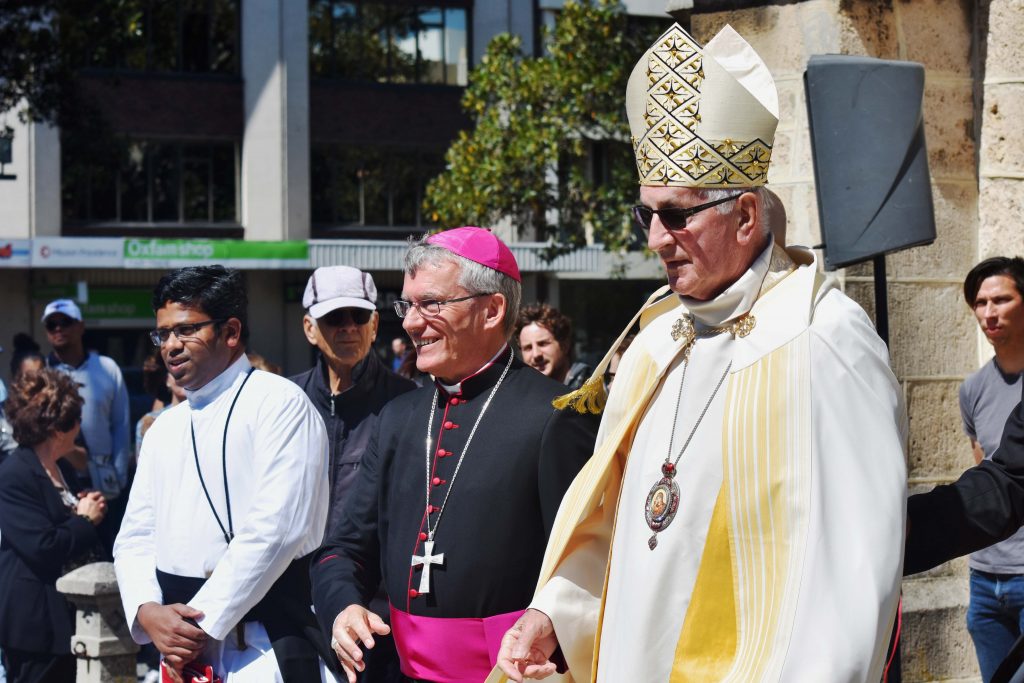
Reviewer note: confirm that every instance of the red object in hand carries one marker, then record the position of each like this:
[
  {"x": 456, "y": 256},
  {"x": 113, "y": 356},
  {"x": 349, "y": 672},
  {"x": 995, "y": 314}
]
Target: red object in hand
[{"x": 192, "y": 673}]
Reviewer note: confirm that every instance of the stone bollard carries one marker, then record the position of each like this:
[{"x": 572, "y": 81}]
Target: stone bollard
[{"x": 102, "y": 642}]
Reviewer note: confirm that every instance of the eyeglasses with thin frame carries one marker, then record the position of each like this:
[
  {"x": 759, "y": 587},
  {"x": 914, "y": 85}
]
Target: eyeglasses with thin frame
[
  {"x": 160, "y": 335},
  {"x": 431, "y": 308},
  {"x": 673, "y": 217},
  {"x": 341, "y": 316}
]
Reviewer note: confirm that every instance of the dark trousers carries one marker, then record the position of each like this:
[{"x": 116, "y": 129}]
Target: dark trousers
[{"x": 35, "y": 667}]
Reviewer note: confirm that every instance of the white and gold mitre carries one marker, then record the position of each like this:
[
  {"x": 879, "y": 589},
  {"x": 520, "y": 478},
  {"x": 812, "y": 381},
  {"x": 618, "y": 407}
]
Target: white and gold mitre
[{"x": 702, "y": 117}]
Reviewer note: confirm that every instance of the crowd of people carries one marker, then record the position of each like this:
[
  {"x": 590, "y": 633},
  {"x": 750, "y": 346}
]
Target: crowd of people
[{"x": 698, "y": 505}]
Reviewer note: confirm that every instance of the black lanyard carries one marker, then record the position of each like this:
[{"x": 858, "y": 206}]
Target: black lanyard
[{"x": 229, "y": 533}]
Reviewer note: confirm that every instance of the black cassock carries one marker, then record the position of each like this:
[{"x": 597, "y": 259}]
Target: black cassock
[{"x": 498, "y": 514}]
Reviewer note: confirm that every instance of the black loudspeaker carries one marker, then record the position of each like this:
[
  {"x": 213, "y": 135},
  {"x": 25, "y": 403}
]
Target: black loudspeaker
[{"x": 870, "y": 161}]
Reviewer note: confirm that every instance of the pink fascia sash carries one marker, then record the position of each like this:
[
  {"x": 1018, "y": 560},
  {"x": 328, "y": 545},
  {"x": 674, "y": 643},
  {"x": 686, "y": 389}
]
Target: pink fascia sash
[{"x": 449, "y": 650}]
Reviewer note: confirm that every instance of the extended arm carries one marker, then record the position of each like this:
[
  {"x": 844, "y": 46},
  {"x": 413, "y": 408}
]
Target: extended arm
[{"x": 984, "y": 506}]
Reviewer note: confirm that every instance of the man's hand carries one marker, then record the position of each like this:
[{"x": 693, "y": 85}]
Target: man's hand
[
  {"x": 355, "y": 623},
  {"x": 526, "y": 648},
  {"x": 179, "y": 641}
]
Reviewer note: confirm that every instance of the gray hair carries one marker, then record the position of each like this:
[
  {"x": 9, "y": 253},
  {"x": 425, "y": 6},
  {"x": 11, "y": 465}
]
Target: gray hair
[
  {"x": 475, "y": 278},
  {"x": 766, "y": 198}
]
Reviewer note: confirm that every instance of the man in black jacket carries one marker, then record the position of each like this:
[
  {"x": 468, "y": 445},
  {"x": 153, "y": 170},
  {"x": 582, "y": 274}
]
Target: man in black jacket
[{"x": 349, "y": 386}]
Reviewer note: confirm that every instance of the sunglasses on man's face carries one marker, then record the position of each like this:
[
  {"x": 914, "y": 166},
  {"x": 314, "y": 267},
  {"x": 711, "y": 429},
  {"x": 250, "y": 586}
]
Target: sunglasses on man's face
[
  {"x": 55, "y": 322},
  {"x": 342, "y": 316},
  {"x": 673, "y": 217}
]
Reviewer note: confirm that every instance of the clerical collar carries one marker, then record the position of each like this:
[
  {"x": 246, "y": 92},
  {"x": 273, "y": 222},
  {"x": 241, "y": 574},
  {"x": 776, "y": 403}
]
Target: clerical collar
[
  {"x": 482, "y": 379},
  {"x": 208, "y": 393},
  {"x": 738, "y": 298}
]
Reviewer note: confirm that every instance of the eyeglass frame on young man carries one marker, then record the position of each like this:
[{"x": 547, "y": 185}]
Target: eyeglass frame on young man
[
  {"x": 673, "y": 217},
  {"x": 402, "y": 307},
  {"x": 182, "y": 331}
]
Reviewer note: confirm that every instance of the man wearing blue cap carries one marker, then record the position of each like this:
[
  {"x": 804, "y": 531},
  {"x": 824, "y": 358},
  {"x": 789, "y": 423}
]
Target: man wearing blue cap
[{"x": 105, "y": 423}]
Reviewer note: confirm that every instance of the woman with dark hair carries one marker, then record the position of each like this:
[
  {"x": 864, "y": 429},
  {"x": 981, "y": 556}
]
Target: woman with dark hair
[{"x": 45, "y": 526}]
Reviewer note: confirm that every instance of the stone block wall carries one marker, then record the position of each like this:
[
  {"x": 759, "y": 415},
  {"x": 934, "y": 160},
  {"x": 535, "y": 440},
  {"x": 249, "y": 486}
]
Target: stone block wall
[{"x": 934, "y": 340}]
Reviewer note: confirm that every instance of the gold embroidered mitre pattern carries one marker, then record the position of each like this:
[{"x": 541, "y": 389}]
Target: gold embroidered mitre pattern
[{"x": 672, "y": 89}]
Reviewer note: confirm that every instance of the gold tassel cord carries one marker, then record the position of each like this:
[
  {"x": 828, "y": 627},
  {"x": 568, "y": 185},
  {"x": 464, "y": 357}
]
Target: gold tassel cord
[{"x": 589, "y": 398}]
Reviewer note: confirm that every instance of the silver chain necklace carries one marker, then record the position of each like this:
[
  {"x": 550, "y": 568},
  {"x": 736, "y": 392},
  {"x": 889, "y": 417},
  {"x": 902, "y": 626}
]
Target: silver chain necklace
[
  {"x": 428, "y": 557},
  {"x": 663, "y": 500}
]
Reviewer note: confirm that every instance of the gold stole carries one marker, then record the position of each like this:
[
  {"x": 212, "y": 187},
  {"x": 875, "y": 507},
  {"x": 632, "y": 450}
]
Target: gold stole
[{"x": 740, "y": 618}]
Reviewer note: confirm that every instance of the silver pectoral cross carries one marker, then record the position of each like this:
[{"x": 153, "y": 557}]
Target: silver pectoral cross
[{"x": 426, "y": 559}]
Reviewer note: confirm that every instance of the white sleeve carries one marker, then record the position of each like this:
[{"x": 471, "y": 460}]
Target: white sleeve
[
  {"x": 288, "y": 512},
  {"x": 135, "y": 547},
  {"x": 852, "y": 569}
]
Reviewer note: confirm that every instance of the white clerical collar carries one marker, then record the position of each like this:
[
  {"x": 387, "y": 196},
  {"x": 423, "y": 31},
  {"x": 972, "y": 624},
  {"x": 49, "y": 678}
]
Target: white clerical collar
[
  {"x": 457, "y": 387},
  {"x": 207, "y": 393},
  {"x": 738, "y": 298}
]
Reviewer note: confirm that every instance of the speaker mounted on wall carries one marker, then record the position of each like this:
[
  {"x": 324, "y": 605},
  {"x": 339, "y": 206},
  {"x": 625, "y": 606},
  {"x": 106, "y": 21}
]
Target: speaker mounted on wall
[{"x": 870, "y": 160}]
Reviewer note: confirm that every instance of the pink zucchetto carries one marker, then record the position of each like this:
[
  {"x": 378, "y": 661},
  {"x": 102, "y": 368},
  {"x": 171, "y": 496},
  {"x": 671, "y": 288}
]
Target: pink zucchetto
[{"x": 479, "y": 245}]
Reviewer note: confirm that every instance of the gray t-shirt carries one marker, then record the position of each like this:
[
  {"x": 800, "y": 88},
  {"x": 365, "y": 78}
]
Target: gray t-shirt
[{"x": 986, "y": 400}]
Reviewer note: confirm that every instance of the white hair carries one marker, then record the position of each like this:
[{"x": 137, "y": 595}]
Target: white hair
[
  {"x": 475, "y": 278},
  {"x": 766, "y": 198}
]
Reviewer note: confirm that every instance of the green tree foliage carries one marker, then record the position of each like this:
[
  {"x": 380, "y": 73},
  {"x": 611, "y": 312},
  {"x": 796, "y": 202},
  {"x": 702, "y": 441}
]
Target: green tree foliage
[{"x": 526, "y": 157}]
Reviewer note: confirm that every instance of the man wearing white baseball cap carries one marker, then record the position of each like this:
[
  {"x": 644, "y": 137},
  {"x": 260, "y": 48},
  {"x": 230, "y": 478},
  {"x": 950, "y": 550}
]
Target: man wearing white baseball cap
[
  {"x": 105, "y": 422},
  {"x": 349, "y": 386}
]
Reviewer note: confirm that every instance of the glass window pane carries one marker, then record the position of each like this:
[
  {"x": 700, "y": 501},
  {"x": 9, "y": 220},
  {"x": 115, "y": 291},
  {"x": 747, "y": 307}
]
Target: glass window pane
[
  {"x": 134, "y": 46},
  {"x": 357, "y": 50},
  {"x": 345, "y": 170},
  {"x": 404, "y": 189},
  {"x": 102, "y": 186},
  {"x": 165, "y": 165},
  {"x": 431, "y": 46},
  {"x": 224, "y": 36},
  {"x": 163, "y": 36},
  {"x": 195, "y": 183},
  {"x": 134, "y": 195},
  {"x": 401, "y": 42},
  {"x": 321, "y": 207},
  {"x": 225, "y": 183},
  {"x": 195, "y": 36},
  {"x": 320, "y": 37},
  {"x": 456, "y": 51}
]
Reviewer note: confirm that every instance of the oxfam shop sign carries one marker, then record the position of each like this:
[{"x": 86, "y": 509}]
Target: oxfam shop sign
[{"x": 167, "y": 253}]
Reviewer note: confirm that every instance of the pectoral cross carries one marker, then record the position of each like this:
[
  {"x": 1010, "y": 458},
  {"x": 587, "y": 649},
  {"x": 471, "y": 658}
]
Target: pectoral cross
[{"x": 426, "y": 559}]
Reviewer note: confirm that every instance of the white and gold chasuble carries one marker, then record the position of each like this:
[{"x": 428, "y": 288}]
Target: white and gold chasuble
[{"x": 784, "y": 560}]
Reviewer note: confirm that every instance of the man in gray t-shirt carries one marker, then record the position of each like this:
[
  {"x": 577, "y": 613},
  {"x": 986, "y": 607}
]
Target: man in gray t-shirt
[{"x": 994, "y": 289}]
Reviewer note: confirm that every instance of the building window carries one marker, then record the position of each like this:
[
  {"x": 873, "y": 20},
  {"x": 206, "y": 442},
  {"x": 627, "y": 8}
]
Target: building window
[
  {"x": 375, "y": 188},
  {"x": 192, "y": 36},
  {"x": 155, "y": 182},
  {"x": 388, "y": 42}
]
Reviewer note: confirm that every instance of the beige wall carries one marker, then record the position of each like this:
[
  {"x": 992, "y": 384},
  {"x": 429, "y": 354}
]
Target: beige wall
[{"x": 934, "y": 340}]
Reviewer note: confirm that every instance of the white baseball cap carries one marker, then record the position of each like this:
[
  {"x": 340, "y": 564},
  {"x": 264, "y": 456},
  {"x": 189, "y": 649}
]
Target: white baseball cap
[
  {"x": 64, "y": 306},
  {"x": 333, "y": 287}
]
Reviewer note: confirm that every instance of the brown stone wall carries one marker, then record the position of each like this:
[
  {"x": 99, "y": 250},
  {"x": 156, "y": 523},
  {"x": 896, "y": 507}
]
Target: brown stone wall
[{"x": 934, "y": 343}]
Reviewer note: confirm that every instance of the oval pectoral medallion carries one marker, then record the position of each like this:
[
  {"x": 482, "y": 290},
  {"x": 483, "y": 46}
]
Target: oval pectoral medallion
[{"x": 661, "y": 507}]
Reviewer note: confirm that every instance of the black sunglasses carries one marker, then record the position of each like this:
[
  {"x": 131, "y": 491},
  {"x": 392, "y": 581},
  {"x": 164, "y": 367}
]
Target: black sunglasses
[
  {"x": 673, "y": 217},
  {"x": 340, "y": 316},
  {"x": 55, "y": 322}
]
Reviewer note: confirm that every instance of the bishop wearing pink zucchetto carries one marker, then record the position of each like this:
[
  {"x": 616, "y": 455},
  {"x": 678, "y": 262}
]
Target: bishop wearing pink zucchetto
[{"x": 461, "y": 481}]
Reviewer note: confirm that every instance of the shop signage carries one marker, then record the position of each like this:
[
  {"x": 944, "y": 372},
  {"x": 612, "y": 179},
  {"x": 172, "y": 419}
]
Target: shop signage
[
  {"x": 15, "y": 253},
  {"x": 172, "y": 253},
  {"x": 77, "y": 252}
]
